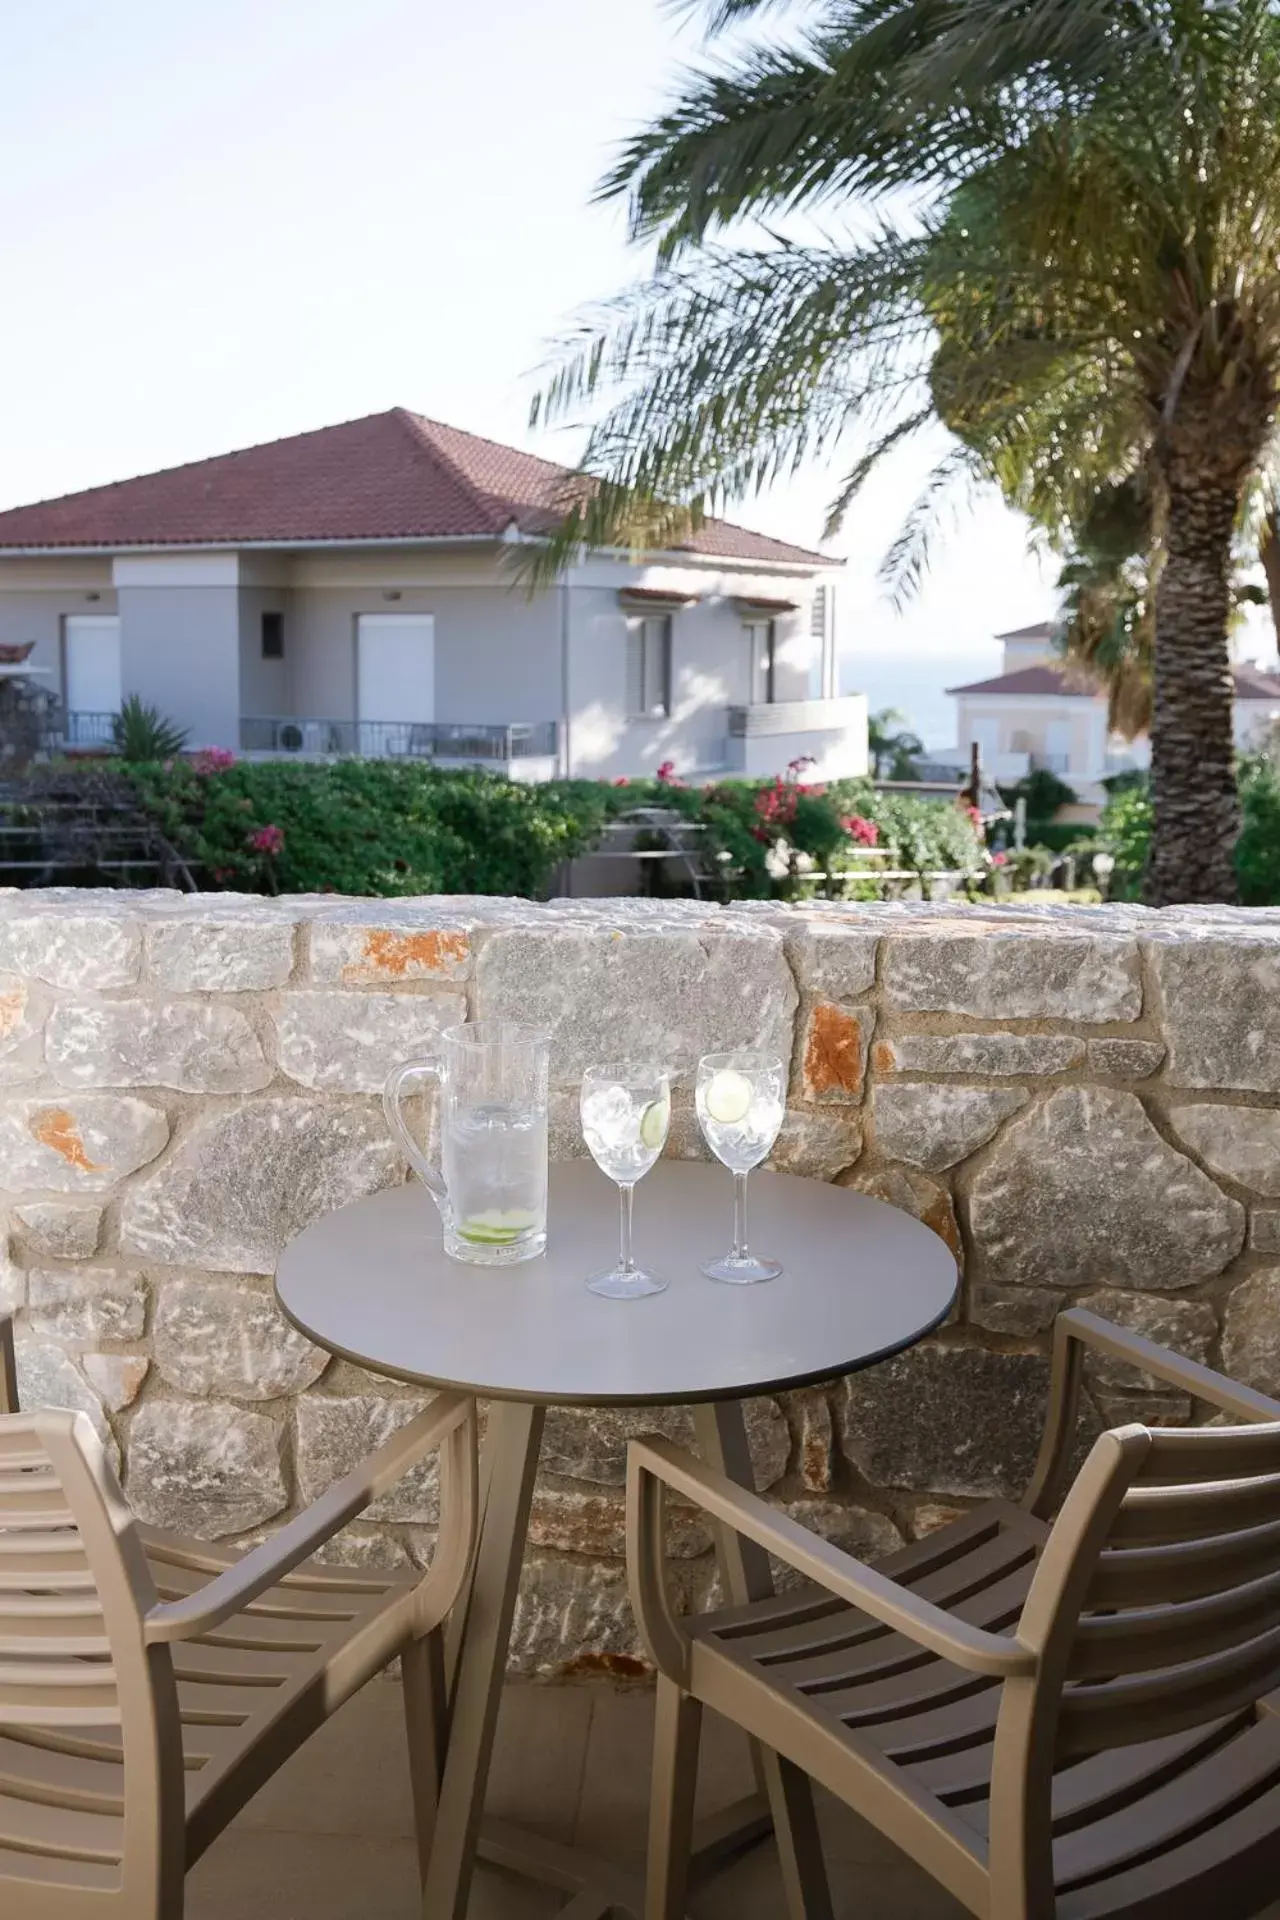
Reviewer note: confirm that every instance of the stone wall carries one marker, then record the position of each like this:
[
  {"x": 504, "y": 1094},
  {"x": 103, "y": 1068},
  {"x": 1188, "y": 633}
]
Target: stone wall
[{"x": 1083, "y": 1103}]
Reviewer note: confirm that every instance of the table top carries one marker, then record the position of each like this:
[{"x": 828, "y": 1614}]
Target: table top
[{"x": 861, "y": 1281}]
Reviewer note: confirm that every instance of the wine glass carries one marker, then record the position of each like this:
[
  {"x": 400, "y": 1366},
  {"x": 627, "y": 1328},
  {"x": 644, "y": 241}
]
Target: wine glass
[
  {"x": 626, "y": 1110},
  {"x": 741, "y": 1098}
]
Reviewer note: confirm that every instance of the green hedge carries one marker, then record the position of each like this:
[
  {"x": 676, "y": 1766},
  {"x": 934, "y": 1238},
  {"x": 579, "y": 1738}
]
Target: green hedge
[
  {"x": 1125, "y": 831},
  {"x": 386, "y": 827}
]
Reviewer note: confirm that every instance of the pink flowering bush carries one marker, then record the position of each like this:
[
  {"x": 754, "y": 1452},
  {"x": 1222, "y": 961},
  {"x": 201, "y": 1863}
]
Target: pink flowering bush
[
  {"x": 212, "y": 760},
  {"x": 863, "y": 832},
  {"x": 267, "y": 840}
]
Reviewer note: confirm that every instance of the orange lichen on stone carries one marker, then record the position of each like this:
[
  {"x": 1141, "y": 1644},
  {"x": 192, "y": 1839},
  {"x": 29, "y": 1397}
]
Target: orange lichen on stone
[
  {"x": 56, "y": 1129},
  {"x": 393, "y": 956},
  {"x": 939, "y": 1216},
  {"x": 618, "y": 1666},
  {"x": 833, "y": 1056},
  {"x": 13, "y": 1004},
  {"x": 882, "y": 1055}
]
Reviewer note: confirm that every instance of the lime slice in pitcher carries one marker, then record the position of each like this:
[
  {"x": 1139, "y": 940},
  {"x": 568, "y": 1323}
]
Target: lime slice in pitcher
[
  {"x": 654, "y": 1122},
  {"x": 497, "y": 1229},
  {"x": 728, "y": 1097}
]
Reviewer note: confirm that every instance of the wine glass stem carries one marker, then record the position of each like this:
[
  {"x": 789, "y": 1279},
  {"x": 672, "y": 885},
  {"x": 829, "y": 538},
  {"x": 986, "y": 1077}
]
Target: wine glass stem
[
  {"x": 739, "y": 1216},
  {"x": 625, "y": 1261}
]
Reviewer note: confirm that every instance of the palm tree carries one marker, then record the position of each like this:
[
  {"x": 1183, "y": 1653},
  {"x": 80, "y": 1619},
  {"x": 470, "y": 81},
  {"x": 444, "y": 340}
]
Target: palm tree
[
  {"x": 892, "y": 745},
  {"x": 1064, "y": 239}
]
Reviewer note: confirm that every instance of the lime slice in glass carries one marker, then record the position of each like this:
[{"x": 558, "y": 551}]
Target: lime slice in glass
[
  {"x": 654, "y": 1122},
  {"x": 728, "y": 1097},
  {"x": 497, "y": 1229}
]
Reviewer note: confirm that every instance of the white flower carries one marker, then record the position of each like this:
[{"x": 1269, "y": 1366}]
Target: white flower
[
  {"x": 805, "y": 863},
  {"x": 777, "y": 862}
]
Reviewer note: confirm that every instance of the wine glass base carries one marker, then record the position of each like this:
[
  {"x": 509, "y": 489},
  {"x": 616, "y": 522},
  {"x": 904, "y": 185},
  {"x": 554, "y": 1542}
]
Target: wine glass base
[
  {"x": 742, "y": 1270},
  {"x": 626, "y": 1283}
]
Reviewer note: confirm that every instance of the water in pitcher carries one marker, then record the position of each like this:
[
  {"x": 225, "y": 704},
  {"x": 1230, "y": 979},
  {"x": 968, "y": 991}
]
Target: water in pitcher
[{"x": 495, "y": 1167}]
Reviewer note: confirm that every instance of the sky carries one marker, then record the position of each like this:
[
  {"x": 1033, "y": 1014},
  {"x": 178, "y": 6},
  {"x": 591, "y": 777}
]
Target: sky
[{"x": 226, "y": 224}]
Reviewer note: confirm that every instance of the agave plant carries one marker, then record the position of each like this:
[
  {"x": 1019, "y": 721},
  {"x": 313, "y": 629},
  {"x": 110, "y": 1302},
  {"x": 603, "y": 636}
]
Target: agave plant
[
  {"x": 1064, "y": 241},
  {"x": 141, "y": 733}
]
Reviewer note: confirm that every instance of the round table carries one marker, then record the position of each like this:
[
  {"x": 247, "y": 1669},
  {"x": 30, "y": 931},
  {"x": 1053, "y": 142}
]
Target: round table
[{"x": 371, "y": 1282}]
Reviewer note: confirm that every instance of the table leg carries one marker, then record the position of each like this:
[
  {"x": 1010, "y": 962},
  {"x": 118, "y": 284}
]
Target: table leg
[
  {"x": 744, "y": 1568},
  {"x": 479, "y": 1654}
]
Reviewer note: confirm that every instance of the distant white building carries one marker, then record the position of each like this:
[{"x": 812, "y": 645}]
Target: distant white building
[{"x": 1041, "y": 711}]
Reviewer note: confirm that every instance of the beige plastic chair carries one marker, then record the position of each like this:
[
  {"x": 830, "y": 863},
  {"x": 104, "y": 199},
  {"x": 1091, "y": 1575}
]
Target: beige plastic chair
[
  {"x": 1073, "y": 1717},
  {"x": 150, "y": 1684}
]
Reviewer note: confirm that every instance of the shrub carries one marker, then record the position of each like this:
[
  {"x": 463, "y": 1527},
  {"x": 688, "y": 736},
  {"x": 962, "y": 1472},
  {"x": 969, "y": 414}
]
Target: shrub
[
  {"x": 140, "y": 733},
  {"x": 1126, "y": 832}
]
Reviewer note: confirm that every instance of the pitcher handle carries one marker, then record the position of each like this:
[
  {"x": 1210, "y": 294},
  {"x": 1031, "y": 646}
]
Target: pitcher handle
[{"x": 392, "y": 1094}]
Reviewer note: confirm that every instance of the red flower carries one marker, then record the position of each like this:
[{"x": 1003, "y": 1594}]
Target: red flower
[
  {"x": 999, "y": 859},
  {"x": 212, "y": 760},
  {"x": 865, "y": 832},
  {"x": 622, "y": 781},
  {"x": 777, "y": 804},
  {"x": 267, "y": 840},
  {"x": 667, "y": 772}
]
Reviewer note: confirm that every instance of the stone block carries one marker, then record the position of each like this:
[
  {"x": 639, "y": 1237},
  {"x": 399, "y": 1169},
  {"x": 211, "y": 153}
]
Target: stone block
[
  {"x": 1083, "y": 1191},
  {"x": 13, "y": 1286},
  {"x": 219, "y": 1337},
  {"x": 593, "y": 1521},
  {"x": 1221, "y": 1012},
  {"x": 995, "y": 972},
  {"x": 245, "y": 1182},
  {"x": 982, "y": 1053},
  {"x": 810, "y": 1415},
  {"x": 1125, "y": 1059},
  {"x": 70, "y": 949},
  {"x": 185, "y": 1044},
  {"x": 1189, "y": 1327},
  {"x": 1241, "y": 1143},
  {"x": 834, "y": 960},
  {"x": 605, "y": 993},
  {"x": 48, "y": 1378},
  {"x": 936, "y": 1126},
  {"x": 1264, "y": 1230},
  {"x": 1251, "y": 1332},
  {"x": 234, "y": 953},
  {"x": 204, "y": 1468},
  {"x": 382, "y": 946},
  {"x": 573, "y": 1616},
  {"x": 912, "y": 1193},
  {"x": 22, "y": 1017},
  {"x": 88, "y": 1305},
  {"x": 817, "y": 1146},
  {"x": 833, "y": 1051},
  {"x": 59, "y": 1230},
  {"x": 590, "y": 1443},
  {"x": 861, "y": 1531},
  {"x": 948, "y": 1420},
  {"x": 336, "y": 1434},
  {"x": 116, "y": 1377},
  {"x": 367, "y": 1552},
  {"x": 349, "y": 1042},
  {"x": 1020, "y": 1311},
  {"x": 82, "y": 1143}
]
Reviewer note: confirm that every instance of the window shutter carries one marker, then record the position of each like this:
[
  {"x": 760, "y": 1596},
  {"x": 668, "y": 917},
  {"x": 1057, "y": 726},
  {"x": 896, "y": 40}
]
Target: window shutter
[
  {"x": 818, "y": 614},
  {"x": 635, "y": 666},
  {"x": 662, "y": 638}
]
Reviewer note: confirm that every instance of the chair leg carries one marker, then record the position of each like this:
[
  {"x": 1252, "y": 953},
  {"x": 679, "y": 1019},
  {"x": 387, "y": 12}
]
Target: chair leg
[
  {"x": 677, "y": 1729},
  {"x": 426, "y": 1717}
]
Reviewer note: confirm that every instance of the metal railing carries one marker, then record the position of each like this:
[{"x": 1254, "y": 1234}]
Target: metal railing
[
  {"x": 795, "y": 716},
  {"x": 89, "y": 730},
  {"x": 400, "y": 739}
]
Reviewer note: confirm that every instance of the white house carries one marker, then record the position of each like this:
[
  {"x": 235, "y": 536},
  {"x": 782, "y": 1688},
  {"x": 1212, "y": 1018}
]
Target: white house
[
  {"x": 349, "y": 590},
  {"x": 1042, "y": 711}
]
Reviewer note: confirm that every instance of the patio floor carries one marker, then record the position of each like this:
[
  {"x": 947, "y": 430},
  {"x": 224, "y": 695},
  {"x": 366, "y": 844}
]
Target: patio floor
[{"x": 330, "y": 1837}]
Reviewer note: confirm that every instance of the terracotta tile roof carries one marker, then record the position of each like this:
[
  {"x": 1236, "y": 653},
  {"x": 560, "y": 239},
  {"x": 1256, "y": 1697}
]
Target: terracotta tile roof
[
  {"x": 1251, "y": 683},
  {"x": 1035, "y": 680},
  {"x": 391, "y": 476}
]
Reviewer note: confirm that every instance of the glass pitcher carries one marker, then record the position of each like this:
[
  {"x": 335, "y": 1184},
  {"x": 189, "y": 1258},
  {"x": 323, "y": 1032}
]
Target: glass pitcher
[{"x": 491, "y": 1185}]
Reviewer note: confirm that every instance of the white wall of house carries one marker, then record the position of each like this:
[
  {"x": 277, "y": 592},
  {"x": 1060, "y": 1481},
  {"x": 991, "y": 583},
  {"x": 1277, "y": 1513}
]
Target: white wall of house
[
  {"x": 1067, "y": 732},
  {"x": 36, "y": 597},
  {"x": 191, "y": 644}
]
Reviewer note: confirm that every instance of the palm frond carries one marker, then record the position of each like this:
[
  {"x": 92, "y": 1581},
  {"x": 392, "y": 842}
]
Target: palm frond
[{"x": 903, "y": 569}]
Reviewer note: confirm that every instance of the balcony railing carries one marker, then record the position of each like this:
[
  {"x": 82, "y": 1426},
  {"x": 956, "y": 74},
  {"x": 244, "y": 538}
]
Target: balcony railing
[
  {"x": 88, "y": 730},
  {"x": 400, "y": 739},
  {"x": 795, "y": 716}
]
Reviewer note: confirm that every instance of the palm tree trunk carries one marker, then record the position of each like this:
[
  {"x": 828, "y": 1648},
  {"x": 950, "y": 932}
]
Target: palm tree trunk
[
  {"x": 1269, "y": 554},
  {"x": 1193, "y": 779}
]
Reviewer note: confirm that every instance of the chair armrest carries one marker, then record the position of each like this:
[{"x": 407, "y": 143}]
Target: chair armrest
[
  {"x": 654, "y": 1464},
  {"x": 449, "y": 1422},
  {"x": 8, "y": 1368},
  {"x": 1073, "y": 1332}
]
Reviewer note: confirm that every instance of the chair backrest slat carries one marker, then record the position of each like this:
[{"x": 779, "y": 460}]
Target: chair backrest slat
[
  {"x": 1183, "y": 1569},
  {"x": 1122, "y": 1713},
  {"x": 1152, "y": 1515},
  {"x": 1144, "y": 1639}
]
